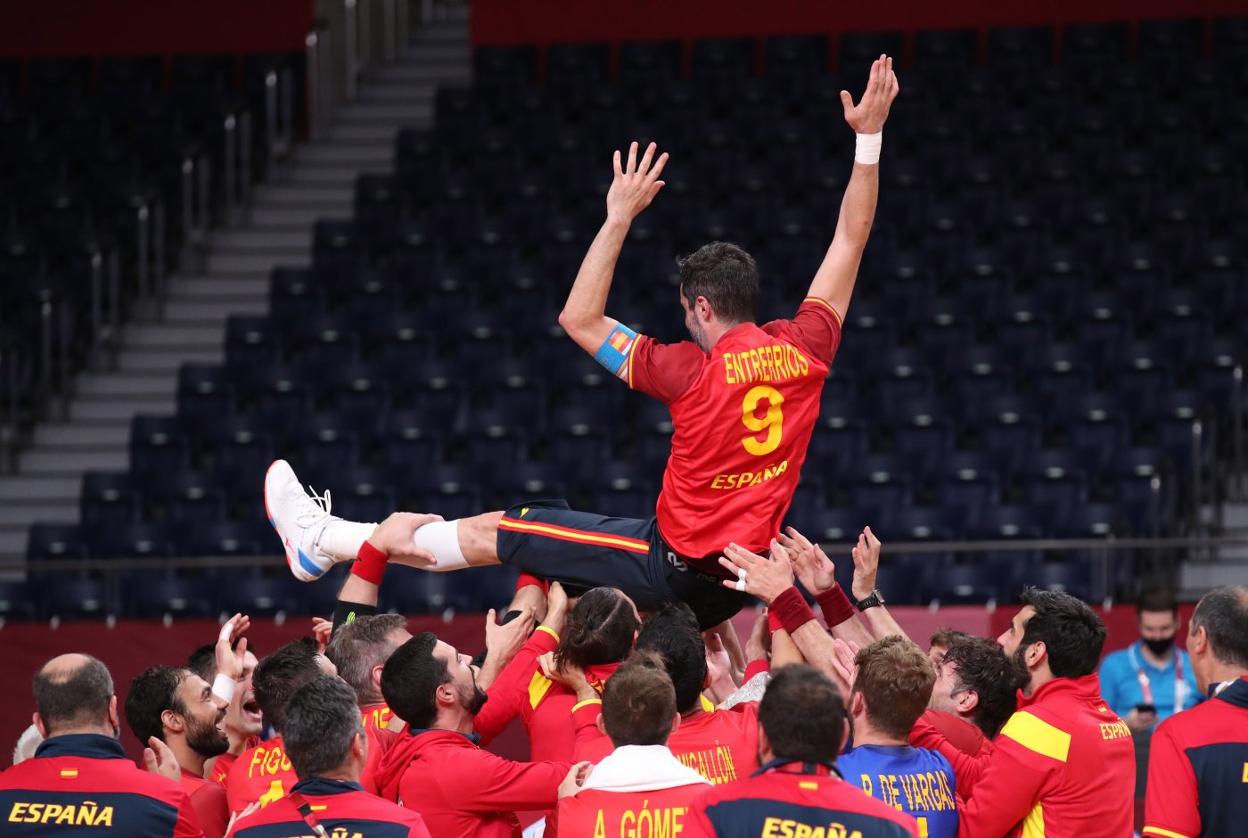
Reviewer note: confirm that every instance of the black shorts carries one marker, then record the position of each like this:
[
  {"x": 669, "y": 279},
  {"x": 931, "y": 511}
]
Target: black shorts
[{"x": 584, "y": 550}]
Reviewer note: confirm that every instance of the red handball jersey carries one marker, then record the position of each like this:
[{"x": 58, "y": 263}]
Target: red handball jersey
[
  {"x": 379, "y": 717},
  {"x": 743, "y": 416},
  {"x": 220, "y": 770},
  {"x": 1198, "y": 769},
  {"x": 721, "y": 745},
  {"x": 260, "y": 774},
  {"x": 208, "y": 799},
  {"x": 341, "y": 808}
]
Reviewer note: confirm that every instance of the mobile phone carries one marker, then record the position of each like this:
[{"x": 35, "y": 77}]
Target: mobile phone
[{"x": 1146, "y": 708}]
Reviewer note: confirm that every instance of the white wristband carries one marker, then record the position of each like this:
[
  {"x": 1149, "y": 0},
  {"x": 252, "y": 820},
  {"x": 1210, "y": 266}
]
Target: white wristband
[
  {"x": 223, "y": 687},
  {"x": 867, "y": 150}
]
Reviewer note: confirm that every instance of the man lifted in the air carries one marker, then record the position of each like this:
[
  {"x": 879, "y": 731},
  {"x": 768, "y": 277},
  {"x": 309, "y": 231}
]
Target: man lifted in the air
[{"x": 743, "y": 398}]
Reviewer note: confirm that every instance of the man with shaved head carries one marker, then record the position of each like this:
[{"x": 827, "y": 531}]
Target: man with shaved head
[{"x": 80, "y": 777}]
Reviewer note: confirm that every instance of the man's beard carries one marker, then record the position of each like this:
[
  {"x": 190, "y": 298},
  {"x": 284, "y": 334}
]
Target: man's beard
[
  {"x": 1020, "y": 666},
  {"x": 474, "y": 701},
  {"x": 205, "y": 739}
]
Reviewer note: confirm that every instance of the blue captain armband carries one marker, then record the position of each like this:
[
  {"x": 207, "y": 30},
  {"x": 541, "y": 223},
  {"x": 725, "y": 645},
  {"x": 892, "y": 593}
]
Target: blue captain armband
[{"x": 613, "y": 354}]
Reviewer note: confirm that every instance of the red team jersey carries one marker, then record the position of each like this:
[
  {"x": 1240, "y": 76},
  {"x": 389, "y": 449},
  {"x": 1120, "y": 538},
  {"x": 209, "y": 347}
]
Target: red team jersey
[
  {"x": 594, "y": 812},
  {"x": 721, "y": 745},
  {"x": 743, "y": 415},
  {"x": 262, "y": 774}
]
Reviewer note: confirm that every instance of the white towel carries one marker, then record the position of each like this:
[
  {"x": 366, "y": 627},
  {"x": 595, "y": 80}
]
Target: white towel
[{"x": 641, "y": 768}]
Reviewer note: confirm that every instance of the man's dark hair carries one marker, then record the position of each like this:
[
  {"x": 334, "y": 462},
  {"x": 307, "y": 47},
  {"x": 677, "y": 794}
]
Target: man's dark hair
[
  {"x": 322, "y": 720},
  {"x": 1156, "y": 600},
  {"x": 600, "y": 629},
  {"x": 359, "y": 646},
  {"x": 726, "y": 275},
  {"x": 803, "y": 715},
  {"x": 638, "y": 702},
  {"x": 895, "y": 678},
  {"x": 982, "y": 666},
  {"x": 672, "y": 632},
  {"x": 280, "y": 675},
  {"x": 74, "y": 698},
  {"x": 1223, "y": 614},
  {"x": 946, "y": 637},
  {"x": 203, "y": 661},
  {"x": 1071, "y": 632},
  {"x": 410, "y": 680},
  {"x": 153, "y": 692}
]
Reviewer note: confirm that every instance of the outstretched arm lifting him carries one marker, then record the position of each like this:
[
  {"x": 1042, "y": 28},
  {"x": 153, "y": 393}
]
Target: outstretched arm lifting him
[
  {"x": 584, "y": 314},
  {"x": 834, "y": 281}
]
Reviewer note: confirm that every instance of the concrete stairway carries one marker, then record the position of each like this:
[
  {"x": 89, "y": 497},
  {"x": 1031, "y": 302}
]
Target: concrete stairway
[{"x": 278, "y": 231}]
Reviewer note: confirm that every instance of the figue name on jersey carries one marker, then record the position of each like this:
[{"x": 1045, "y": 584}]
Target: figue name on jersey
[{"x": 268, "y": 761}]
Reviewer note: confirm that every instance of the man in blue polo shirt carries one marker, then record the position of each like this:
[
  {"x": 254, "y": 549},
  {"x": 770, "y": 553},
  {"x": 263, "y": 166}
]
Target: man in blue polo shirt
[
  {"x": 1152, "y": 679},
  {"x": 891, "y": 690}
]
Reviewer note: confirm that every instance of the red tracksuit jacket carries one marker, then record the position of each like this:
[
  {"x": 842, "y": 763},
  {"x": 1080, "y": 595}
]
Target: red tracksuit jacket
[
  {"x": 82, "y": 784},
  {"x": 542, "y": 705},
  {"x": 1062, "y": 767},
  {"x": 461, "y": 790},
  {"x": 342, "y": 808}
]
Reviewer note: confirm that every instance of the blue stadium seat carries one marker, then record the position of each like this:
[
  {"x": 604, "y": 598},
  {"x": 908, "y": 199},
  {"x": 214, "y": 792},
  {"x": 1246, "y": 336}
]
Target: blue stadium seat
[
  {"x": 204, "y": 394},
  {"x": 1028, "y": 46},
  {"x": 859, "y": 49},
  {"x": 55, "y": 541},
  {"x": 263, "y": 595},
  {"x": 142, "y": 540},
  {"x": 108, "y": 499},
  {"x": 229, "y": 538},
  {"x": 77, "y": 598},
  {"x": 797, "y": 57},
  {"x": 158, "y": 444},
  {"x": 567, "y": 63},
  {"x": 168, "y": 596},
  {"x": 18, "y": 601},
  {"x": 621, "y": 488}
]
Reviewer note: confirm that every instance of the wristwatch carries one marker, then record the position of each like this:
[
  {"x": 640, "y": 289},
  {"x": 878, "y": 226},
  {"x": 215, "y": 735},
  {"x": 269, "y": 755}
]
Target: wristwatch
[{"x": 871, "y": 600}]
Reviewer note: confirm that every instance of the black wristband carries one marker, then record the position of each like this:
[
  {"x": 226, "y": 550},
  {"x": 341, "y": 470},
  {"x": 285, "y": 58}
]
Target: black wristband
[{"x": 346, "y": 612}]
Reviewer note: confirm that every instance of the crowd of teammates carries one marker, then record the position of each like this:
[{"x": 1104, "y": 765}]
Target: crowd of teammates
[{"x": 641, "y": 724}]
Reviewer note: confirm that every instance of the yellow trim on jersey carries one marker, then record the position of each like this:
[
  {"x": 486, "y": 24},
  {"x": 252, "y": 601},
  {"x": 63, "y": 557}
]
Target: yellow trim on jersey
[
  {"x": 1037, "y": 735},
  {"x": 585, "y": 703},
  {"x": 549, "y": 631},
  {"x": 1164, "y": 833},
  {"x": 707, "y": 704},
  {"x": 821, "y": 301},
  {"x": 539, "y": 685},
  {"x": 1033, "y": 824}
]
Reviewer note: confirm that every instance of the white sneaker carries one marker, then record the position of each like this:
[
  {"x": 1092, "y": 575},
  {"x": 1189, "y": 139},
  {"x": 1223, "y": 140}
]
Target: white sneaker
[{"x": 300, "y": 520}]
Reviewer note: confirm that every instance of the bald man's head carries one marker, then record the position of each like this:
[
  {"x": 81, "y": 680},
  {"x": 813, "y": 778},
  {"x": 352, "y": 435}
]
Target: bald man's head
[{"x": 74, "y": 693}]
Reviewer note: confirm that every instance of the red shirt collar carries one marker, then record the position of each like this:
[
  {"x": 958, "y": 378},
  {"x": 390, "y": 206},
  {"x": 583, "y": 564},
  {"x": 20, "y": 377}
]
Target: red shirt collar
[{"x": 1087, "y": 686}]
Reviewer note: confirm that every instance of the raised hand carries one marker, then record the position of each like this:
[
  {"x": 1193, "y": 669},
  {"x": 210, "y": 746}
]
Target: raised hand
[
  {"x": 758, "y": 645},
  {"x": 869, "y": 115},
  {"x": 159, "y": 759},
  {"x": 813, "y": 567},
  {"x": 394, "y": 535},
  {"x": 228, "y": 657},
  {"x": 866, "y": 555},
  {"x": 322, "y": 630},
  {"x": 844, "y": 664},
  {"x": 569, "y": 675},
  {"x": 765, "y": 578},
  {"x": 505, "y": 641},
  {"x": 556, "y": 607},
  {"x": 635, "y": 184}
]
